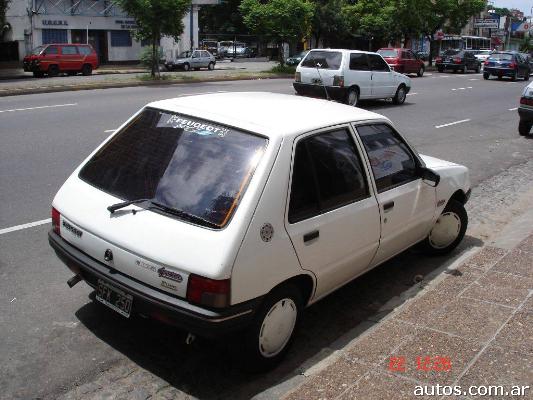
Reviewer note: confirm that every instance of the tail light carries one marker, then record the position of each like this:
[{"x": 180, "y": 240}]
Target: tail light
[
  {"x": 56, "y": 227},
  {"x": 297, "y": 77},
  {"x": 208, "y": 292},
  {"x": 512, "y": 65},
  {"x": 457, "y": 60},
  {"x": 398, "y": 61},
  {"x": 486, "y": 62},
  {"x": 338, "y": 80},
  {"x": 438, "y": 59},
  {"x": 526, "y": 101}
]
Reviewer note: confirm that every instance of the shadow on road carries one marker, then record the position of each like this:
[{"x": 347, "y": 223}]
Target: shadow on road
[{"x": 207, "y": 370}]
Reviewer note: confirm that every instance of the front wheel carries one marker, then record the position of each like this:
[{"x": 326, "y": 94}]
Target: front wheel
[
  {"x": 352, "y": 99},
  {"x": 401, "y": 94},
  {"x": 211, "y": 66},
  {"x": 486, "y": 75},
  {"x": 524, "y": 127},
  {"x": 440, "y": 69},
  {"x": 420, "y": 72},
  {"x": 186, "y": 67},
  {"x": 268, "y": 339},
  {"x": 448, "y": 231},
  {"x": 478, "y": 68},
  {"x": 526, "y": 75}
]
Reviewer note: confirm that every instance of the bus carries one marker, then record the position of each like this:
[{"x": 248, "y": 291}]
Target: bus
[{"x": 464, "y": 43}]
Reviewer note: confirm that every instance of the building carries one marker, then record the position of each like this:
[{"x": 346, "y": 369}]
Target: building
[{"x": 99, "y": 22}]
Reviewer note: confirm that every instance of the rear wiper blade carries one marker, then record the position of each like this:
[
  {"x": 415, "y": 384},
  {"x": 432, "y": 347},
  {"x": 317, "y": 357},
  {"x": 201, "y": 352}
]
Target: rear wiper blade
[
  {"x": 118, "y": 206},
  {"x": 184, "y": 214}
]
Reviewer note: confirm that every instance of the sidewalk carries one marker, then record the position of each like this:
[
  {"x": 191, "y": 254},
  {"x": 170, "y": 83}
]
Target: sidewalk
[{"x": 472, "y": 325}]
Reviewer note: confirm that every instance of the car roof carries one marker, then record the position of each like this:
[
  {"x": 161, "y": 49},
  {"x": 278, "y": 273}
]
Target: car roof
[
  {"x": 346, "y": 50},
  {"x": 270, "y": 114}
]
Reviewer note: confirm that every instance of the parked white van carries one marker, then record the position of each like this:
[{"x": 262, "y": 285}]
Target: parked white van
[
  {"x": 232, "y": 212},
  {"x": 349, "y": 76}
]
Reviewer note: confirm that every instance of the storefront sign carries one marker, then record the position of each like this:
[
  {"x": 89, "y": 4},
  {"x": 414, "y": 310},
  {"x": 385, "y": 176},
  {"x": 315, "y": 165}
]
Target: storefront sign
[
  {"x": 487, "y": 23},
  {"x": 126, "y": 24},
  {"x": 55, "y": 22}
]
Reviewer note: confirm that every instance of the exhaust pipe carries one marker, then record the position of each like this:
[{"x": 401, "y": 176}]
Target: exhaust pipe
[{"x": 72, "y": 281}]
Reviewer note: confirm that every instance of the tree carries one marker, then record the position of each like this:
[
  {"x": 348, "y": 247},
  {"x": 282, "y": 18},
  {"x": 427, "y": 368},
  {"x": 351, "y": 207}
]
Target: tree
[
  {"x": 280, "y": 20},
  {"x": 157, "y": 18},
  {"x": 329, "y": 22}
]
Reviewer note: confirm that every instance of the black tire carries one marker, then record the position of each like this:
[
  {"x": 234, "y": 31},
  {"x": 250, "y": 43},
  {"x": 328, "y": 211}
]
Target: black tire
[
  {"x": 53, "y": 70},
  {"x": 38, "y": 74},
  {"x": 87, "y": 69},
  {"x": 513, "y": 77},
  {"x": 500, "y": 77},
  {"x": 420, "y": 72},
  {"x": 400, "y": 96},
  {"x": 463, "y": 69},
  {"x": 440, "y": 69},
  {"x": 457, "y": 213},
  {"x": 352, "y": 97},
  {"x": 486, "y": 75},
  {"x": 186, "y": 67},
  {"x": 478, "y": 68},
  {"x": 524, "y": 127},
  {"x": 211, "y": 66},
  {"x": 526, "y": 75},
  {"x": 287, "y": 297}
]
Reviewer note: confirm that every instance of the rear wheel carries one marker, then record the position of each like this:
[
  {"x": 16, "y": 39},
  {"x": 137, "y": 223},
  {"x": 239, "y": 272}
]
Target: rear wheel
[
  {"x": 53, "y": 70},
  {"x": 211, "y": 66},
  {"x": 513, "y": 76},
  {"x": 186, "y": 67},
  {"x": 401, "y": 94},
  {"x": 38, "y": 74},
  {"x": 267, "y": 340},
  {"x": 526, "y": 75},
  {"x": 524, "y": 127},
  {"x": 87, "y": 69},
  {"x": 448, "y": 231},
  {"x": 352, "y": 98},
  {"x": 486, "y": 75},
  {"x": 462, "y": 70},
  {"x": 440, "y": 69},
  {"x": 420, "y": 72},
  {"x": 478, "y": 68}
]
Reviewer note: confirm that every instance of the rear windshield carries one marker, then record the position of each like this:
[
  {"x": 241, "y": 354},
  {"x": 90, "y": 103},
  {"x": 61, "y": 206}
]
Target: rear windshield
[
  {"x": 388, "y": 53},
  {"x": 192, "y": 166},
  {"x": 451, "y": 52},
  {"x": 323, "y": 60},
  {"x": 501, "y": 56}
]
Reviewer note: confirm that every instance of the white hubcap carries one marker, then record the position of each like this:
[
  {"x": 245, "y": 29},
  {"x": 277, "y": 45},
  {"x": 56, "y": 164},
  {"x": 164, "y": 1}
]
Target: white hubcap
[
  {"x": 445, "y": 231},
  {"x": 277, "y": 327},
  {"x": 352, "y": 98}
]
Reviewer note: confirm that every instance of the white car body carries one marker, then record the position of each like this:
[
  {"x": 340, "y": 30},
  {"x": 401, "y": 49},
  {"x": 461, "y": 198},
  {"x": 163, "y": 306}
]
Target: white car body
[
  {"x": 371, "y": 81},
  {"x": 258, "y": 249}
]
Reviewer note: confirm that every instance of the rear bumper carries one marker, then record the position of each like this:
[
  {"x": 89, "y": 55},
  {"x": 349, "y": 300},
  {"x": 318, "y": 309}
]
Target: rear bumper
[
  {"x": 153, "y": 303},
  {"x": 499, "y": 71},
  {"x": 449, "y": 66},
  {"x": 334, "y": 92}
]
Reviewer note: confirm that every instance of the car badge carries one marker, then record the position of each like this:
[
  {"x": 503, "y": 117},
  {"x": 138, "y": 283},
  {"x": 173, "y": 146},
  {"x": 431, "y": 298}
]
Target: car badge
[{"x": 108, "y": 255}]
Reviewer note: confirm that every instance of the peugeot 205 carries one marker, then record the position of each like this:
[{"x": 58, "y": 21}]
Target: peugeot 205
[{"x": 208, "y": 213}]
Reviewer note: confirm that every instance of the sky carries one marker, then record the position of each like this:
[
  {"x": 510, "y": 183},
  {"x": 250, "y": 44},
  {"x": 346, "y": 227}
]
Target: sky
[{"x": 522, "y": 5}]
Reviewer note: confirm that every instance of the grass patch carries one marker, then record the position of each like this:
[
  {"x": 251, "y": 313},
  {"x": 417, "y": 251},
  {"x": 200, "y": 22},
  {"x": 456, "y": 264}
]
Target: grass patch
[
  {"x": 148, "y": 77},
  {"x": 285, "y": 69}
]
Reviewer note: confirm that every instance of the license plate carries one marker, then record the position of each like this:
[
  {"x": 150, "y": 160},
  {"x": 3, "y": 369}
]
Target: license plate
[
  {"x": 114, "y": 298},
  {"x": 317, "y": 81}
]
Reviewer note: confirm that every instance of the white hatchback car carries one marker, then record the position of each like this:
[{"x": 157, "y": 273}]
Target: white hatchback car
[
  {"x": 227, "y": 212},
  {"x": 349, "y": 76}
]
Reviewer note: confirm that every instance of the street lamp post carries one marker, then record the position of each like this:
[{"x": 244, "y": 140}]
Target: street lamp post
[{"x": 87, "y": 33}]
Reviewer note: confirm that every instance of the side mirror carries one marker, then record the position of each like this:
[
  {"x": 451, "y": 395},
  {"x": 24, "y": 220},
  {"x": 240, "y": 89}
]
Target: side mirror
[{"x": 430, "y": 177}]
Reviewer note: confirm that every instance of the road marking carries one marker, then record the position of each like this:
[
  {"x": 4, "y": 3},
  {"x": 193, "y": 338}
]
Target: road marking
[
  {"x": 469, "y": 87},
  {"x": 452, "y": 123},
  {"x": 25, "y": 226},
  {"x": 429, "y": 74},
  {"x": 513, "y": 109},
  {"x": 462, "y": 88},
  {"x": 37, "y": 108},
  {"x": 110, "y": 130},
  {"x": 411, "y": 94},
  {"x": 454, "y": 89},
  {"x": 474, "y": 79}
]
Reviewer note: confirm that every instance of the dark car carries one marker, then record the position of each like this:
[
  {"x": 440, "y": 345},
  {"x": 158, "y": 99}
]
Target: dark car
[
  {"x": 295, "y": 60},
  {"x": 53, "y": 59},
  {"x": 457, "y": 60},
  {"x": 423, "y": 55},
  {"x": 403, "y": 61},
  {"x": 506, "y": 63}
]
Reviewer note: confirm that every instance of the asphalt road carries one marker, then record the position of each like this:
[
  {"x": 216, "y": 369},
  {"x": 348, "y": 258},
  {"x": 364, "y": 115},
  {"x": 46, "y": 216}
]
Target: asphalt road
[{"x": 52, "y": 337}]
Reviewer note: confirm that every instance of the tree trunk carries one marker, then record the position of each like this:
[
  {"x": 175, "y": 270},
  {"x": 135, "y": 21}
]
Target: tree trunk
[{"x": 280, "y": 55}]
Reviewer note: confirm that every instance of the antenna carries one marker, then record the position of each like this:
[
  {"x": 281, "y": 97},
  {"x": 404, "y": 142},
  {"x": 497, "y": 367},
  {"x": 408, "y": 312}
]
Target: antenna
[{"x": 317, "y": 65}]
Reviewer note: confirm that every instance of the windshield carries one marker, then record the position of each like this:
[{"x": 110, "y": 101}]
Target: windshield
[
  {"x": 501, "y": 56},
  {"x": 323, "y": 60},
  {"x": 450, "y": 52},
  {"x": 186, "y": 164},
  {"x": 388, "y": 53},
  {"x": 185, "y": 54},
  {"x": 36, "y": 51}
]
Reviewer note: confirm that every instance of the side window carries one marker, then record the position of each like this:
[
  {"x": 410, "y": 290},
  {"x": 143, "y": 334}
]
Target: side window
[
  {"x": 52, "y": 50},
  {"x": 392, "y": 162},
  {"x": 196, "y": 54},
  {"x": 327, "y": 174},
  {"x": 84, "y": 50},
  {"x": 359, "y": 62},
  {"x": 69, "y": 50},
  {"x": 377, "y": 63}
]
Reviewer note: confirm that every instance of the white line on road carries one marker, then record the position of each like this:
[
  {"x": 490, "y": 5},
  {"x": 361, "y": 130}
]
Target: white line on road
[
  {"x": 110, "y": 130},
  {"x": 411, "y": 94},
  {"x": 474, "y": 79},
  {"x": 25, "y": 226},
  {"x": 452, "y": 123},
  {"x": 469, "y": 87},
  {"x": 429, "y": 74},
  {"x": 513, "y": 109},
  {"x": 462, "y": 88},
  {"x": 36, "y": 108}
]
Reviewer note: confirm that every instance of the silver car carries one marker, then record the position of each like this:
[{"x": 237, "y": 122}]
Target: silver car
[{"x": 192, "y": 60}]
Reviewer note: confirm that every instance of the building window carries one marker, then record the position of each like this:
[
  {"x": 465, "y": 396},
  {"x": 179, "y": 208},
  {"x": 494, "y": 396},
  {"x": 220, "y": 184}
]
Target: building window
[
  {"x": 54, "y": 36},
  {"x": 120, "y": 39}
]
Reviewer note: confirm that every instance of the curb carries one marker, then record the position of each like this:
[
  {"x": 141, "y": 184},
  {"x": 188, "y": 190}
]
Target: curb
[{"x": 113, "y": 85}]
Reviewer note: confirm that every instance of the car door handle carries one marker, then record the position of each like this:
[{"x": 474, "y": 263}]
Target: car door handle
[
  {"x": 311, "y": 235},
  {"x": 388, "y": 206}
]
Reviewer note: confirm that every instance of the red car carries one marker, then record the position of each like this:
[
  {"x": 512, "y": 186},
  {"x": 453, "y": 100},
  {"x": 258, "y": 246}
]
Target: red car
[
  {"x": 52, "y": 59},
  {"x": 403, "y": 60}
]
